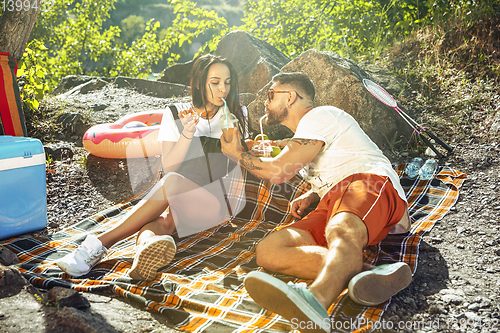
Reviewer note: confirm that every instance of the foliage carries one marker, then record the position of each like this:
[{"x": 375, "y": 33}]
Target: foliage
[
  {"x": 200, "y": 24},
  {"x": 353, "y": 28},
  {"x": 393, "y": 142},
  {"x": 452, "y": 74},
  {"x": 42, "y": 299},
  {"x": 32, "y": 76},
  {"x": 77, "y": 43},
  {"x": 74, "y": 37},
  {"x": 464, "y": 11},
  {"x": 347, "y": 27},
  {"x": 291, "y": 26},
  {"x": 132, "y": 26}
]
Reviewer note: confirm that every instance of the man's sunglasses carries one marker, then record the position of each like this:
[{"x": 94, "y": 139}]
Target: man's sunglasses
[{"x": 270, "y": 94}]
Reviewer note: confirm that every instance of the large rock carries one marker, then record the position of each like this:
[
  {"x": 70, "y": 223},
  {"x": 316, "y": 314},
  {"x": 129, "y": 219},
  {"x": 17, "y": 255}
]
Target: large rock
[
  {"x": 178, "y": 73},
  {"x": 71, "y": 81},
  {"x": 7, "y": 257},
  {"x": 75, "y": 84},
  {"x": 151, "y": 88},
  {"x": 20, "y": 310},
  {"x": 255, "y": 60},
  {"x": 11, "y": 281},
  {"x": 338, "y": 82}
]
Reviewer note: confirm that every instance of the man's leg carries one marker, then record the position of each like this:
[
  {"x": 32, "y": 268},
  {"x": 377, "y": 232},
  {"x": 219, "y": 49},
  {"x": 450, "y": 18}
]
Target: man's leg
[
  {"x": 300, "y": 249},
  {"x": 332, "y": 267},
  {"x": 347, "y": 236},
  {"x": 291, "y": 251}
]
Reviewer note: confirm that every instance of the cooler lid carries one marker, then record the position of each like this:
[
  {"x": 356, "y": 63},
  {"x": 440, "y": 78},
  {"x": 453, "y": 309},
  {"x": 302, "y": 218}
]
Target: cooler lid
[{"x": 18, "y": 146}]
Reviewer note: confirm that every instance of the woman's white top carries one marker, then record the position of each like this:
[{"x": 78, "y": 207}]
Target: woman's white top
[{"x": 210, "y": 128}]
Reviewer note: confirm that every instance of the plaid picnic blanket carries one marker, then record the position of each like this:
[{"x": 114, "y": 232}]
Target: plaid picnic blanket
[{"x": 202, "y": 290}]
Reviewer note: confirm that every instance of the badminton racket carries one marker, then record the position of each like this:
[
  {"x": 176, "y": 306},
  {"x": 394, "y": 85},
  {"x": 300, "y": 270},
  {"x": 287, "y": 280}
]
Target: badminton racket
[{"x": 382, "y": 95}]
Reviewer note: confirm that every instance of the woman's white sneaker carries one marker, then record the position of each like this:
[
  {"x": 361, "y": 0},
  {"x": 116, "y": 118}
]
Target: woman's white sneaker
[{"x": 86, "y": 256}]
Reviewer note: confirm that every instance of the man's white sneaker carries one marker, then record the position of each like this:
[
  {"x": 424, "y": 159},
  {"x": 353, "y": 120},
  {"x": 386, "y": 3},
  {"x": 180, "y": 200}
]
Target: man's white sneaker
[
  {"x": 86, "y": 256},
  {"x": 154, "y": 253},
  {"x": 377, "y": 285}
]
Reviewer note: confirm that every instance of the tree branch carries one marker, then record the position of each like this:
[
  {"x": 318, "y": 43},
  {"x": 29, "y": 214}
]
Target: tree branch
[{"x": 16, "y": 27}]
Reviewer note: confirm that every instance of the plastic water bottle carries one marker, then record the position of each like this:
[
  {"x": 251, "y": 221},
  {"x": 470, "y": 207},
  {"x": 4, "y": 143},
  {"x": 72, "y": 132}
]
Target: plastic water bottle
[
  {"x": 427, "y": 170},
  {"x": 413, "y": 167}
]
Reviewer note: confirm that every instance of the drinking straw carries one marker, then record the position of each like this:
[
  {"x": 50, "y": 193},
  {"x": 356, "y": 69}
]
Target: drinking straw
[
  {"x": 263, "y": 143},
  {"x": 261, "y": 129},
  {"x": 227, "y": 116}
]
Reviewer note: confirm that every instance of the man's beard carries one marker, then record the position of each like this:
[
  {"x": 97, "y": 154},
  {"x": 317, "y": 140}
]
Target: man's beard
[{"x": 274, "y": 118}]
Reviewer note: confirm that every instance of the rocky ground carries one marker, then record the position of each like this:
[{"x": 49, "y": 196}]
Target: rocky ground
[
  {"x": 457, "y": 284},
  {"x": 78, "y": 186}
]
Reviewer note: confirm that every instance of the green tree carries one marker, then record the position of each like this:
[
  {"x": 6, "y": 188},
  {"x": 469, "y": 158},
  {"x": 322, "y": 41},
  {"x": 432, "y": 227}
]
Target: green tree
[
  {"x": 347, "y": 27},
  {"x": 467, "y": 11},
  {"x": 352, "y": 28},
  {"x": 75, "y": 41},
  {"x": 131, "y": 27}
]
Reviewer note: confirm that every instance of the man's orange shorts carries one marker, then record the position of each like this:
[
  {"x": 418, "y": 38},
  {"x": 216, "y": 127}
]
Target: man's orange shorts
[{"x": 371, "y": 197}]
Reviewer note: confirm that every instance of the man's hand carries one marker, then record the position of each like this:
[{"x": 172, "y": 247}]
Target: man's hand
[
  {"x": 300, "y": 204},
  {"x": 296, "y": 154}
]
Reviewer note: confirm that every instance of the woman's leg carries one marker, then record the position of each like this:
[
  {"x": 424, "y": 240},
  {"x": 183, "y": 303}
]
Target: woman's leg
[
  {"x": 146, "y": 210},
  {"x": 191, "y": 209},
  {"x": 187, "y": 203},
  {"x": 93, "y": 249},
  {"x": 162, "y": 225},
  {"x": 157, "y": 248}
]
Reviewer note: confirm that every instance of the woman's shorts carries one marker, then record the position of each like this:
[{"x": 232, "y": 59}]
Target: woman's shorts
[{"x": 371, "y": 197}]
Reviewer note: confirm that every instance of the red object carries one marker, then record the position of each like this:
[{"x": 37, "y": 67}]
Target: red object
[
  {"x": 371, "y": 197},
  {"x": 11, "y": 112},
  {"x": 118, "y": 140}
]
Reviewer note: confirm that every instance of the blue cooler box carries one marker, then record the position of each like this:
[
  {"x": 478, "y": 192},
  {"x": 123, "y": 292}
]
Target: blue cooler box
[{"x": 23, "y": 193}]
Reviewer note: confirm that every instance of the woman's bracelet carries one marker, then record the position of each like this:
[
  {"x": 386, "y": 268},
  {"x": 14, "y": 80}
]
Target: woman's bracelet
[{"x": 186, "y": 136}]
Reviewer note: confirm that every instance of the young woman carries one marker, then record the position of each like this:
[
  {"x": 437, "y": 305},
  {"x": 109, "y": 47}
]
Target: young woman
[{"x": 189, "y": 198}]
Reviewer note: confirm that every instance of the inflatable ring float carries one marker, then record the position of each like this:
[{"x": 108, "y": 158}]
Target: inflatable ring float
[{"x": 134, "y": 135}]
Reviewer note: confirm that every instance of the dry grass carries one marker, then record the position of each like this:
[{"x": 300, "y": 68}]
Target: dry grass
[{"x": 451, "y": 77}]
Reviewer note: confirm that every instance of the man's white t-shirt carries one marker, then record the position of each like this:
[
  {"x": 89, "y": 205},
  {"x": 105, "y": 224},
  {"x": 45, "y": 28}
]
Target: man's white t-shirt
[
  {"x": 210, "y": 128},
  {"x": 347, "y": 150}
]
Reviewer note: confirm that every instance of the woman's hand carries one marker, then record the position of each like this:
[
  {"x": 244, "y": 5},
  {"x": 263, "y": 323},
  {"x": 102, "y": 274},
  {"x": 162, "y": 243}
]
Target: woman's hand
[
  {"x": 189, "y": 124},
  {"x": 300, "y": 204},
  {"x": 232, "y": 149}
]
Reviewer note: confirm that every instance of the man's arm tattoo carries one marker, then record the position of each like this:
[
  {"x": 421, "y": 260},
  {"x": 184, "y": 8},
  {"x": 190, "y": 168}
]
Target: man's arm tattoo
[
  {"x": 247, "y": 163},
  {"x": 305, "y": 142}
]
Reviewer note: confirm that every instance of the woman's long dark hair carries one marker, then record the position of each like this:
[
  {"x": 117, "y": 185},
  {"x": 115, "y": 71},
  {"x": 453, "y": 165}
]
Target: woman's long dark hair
[{"x": 199, "y": 74}]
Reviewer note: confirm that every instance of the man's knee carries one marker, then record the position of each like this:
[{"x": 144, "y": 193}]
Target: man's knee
[
  {"x": 346, "y": 228},
  {"x": 267, "y": 249},
  {"x": 262, "y": 251}
]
